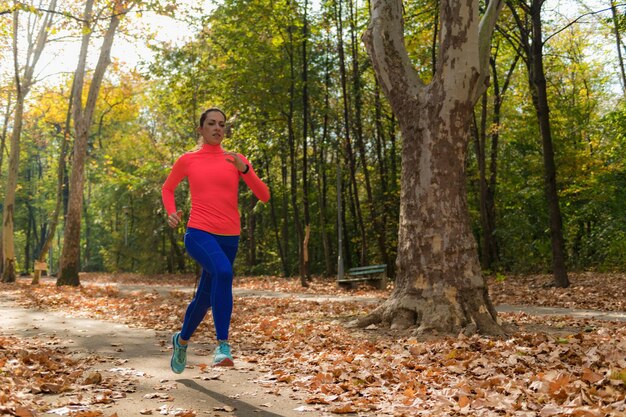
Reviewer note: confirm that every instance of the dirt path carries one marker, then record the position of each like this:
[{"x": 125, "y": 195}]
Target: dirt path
[
  {"x": 504, "y": 308},
  {"x": 143, "y": 355}
]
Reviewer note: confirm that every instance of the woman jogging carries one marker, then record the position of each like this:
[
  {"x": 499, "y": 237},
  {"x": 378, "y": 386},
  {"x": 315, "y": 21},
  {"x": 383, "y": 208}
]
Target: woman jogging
[{"x": 212, "y": 235}]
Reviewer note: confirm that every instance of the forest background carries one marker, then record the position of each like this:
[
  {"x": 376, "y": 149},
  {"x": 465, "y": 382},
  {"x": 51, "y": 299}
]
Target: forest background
[{"x": 307, "y": 111}]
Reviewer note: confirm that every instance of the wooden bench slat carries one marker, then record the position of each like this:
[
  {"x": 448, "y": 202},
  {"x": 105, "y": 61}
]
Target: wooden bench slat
[
  {"x": 375, "y": 274},
  {"x": 383, "y": 266},
  {"x": 359, "y": 279},
  {"x": 367, "y": 270}
]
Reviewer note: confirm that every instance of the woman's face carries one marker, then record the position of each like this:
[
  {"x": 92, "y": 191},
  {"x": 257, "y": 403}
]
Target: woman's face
[{"x": 212, "y": 130}]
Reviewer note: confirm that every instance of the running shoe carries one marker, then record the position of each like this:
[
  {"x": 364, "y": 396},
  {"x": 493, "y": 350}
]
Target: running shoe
[
  {"x": 179, "y": 355},
  {"x": 223, "y": 356}
]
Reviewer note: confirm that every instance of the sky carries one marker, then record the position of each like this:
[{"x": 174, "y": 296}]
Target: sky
[{"x": 60, "y": 57}]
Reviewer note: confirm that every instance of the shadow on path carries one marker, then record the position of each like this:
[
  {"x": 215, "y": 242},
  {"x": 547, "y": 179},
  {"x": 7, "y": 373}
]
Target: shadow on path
[{"x": 242, "y": 408}]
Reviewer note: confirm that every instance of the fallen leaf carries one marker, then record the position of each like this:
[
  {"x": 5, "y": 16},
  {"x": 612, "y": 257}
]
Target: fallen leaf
[
  {"x": 591, "y": 377},
  {"x": 93, "y": 378},
  {"x": 463, "y": 401},
  {"x": 316, "y": 400},
  {"x": 23, "y": 412},
  {"x": 226, "y": 408},
  {"x": 93, "y": 413},
  {"x": 185, "y": 413},
  {"x": 344, "y": 409}
]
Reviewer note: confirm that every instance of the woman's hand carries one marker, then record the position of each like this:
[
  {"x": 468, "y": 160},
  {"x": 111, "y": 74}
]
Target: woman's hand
[
  {"x": 174, "y": 219},
  {"x": 234, "y": 159}
]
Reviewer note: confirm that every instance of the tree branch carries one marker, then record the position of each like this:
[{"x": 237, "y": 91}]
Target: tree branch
[
  {"x": 27, "y": 8},
  {"x": 485, "y": 31},
  {"x": 384, "y": 42},
  {"x": 24, "y": 7},
  {"x": 578, "y": 18}
]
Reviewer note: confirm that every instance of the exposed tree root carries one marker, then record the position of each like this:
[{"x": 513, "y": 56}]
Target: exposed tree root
[{"x": 469, "y": 312}]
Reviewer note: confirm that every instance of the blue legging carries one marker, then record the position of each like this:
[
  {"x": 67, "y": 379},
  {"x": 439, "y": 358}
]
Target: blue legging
[{"x": 216, "y": 254}]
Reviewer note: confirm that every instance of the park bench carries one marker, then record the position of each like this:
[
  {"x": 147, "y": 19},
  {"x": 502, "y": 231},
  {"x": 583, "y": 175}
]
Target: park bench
[{"x": 373, "y": 274}]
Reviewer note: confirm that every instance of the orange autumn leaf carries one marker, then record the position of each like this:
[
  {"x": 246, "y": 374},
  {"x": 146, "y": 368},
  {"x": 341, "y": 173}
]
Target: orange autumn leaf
[
  {"x": 590, "y": 376},
  {"x": 463, "y": 401},
  {"x": 87, "y": 413},
  {"x": 316, "y": 400},
  {"x": 409, "y": 392},
  {"x": 23, "y": 412},
  {"x": 344, "y": 409}
]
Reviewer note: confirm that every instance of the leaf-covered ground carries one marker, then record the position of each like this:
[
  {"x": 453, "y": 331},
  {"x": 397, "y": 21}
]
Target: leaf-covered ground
[
  {"x": 588, "y": 290},
  {"x": 549, "y": 366},
  {"x": 31, "y": 368}
]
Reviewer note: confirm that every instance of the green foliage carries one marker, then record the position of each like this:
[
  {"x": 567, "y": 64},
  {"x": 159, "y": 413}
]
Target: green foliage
[{"x": 247, "y": 58}]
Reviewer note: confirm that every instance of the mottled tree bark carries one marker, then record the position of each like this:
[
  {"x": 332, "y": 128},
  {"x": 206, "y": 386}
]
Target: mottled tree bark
[{"x": 439, "y": 283}]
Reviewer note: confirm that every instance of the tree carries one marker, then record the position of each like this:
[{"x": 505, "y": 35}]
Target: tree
[
  {"x": 61, "y": 178},
  {"x": 439, "y": 283},
  {"x": 24, "y": 80},
  {"x": 618, "y": 40},
  {"x": 487, "y": 167},
  {"x": 531, "y": 45},
  {"x": 70, "y": 257}
]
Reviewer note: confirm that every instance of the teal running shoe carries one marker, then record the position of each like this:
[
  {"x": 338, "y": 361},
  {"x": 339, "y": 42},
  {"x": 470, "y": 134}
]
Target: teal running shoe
[
  {"x": 223, "y": 356},
  {"x": 179, "y": 355}
]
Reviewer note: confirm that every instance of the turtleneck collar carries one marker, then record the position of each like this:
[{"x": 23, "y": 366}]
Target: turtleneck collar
[{"x": 212, "y": 148}]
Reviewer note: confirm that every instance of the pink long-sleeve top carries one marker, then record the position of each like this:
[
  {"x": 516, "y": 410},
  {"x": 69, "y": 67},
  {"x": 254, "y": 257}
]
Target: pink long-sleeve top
[{"x": 214, "y": 188}]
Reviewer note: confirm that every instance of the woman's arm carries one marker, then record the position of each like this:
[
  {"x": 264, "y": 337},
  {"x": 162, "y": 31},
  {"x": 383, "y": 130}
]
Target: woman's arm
[
  {"x": 173, "y": 179},
  {"x": 257, "y": 186}
]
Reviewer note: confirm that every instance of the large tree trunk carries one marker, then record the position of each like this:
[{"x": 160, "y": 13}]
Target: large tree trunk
[
  {"x": 70, "y": 257},
  {"x": 540, "y": 100},
  {"x": 439, "y": 283},
  {"x": 531, "y": 43}
]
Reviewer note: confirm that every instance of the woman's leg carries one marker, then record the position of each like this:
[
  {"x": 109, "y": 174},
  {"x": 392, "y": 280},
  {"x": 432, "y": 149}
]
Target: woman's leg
[
  {"x": 198, "y": 307},
  {"x": 216, "y": 255},
  {"x": 222, "y": 288}
]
